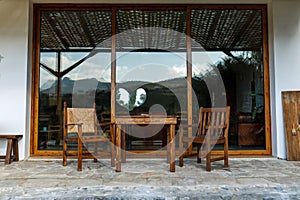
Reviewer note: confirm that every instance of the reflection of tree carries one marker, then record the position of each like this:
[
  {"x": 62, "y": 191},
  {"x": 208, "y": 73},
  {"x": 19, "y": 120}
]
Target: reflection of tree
[
  {"x": 118, "y": 97},
  {"x": 132, "y": 100},
  {"x": 141, "y": 100},
  {"x": 59, "y": 74},
  {"x": 242, "y": 77}
]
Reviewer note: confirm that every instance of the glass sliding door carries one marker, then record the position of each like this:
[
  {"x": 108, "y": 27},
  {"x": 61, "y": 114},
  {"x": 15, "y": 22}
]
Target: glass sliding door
[
  {"x": 150, "y": 70},
  {"x": 75, "y": 57},
  {"x": 228, "y": 69},
  {"x": 162, "y": 93},
  {"x": 140, "y": 60}
]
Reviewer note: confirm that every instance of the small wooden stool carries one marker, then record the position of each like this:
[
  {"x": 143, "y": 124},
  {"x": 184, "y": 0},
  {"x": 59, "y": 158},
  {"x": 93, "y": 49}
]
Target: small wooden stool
[{"x": 12, "y": 145}]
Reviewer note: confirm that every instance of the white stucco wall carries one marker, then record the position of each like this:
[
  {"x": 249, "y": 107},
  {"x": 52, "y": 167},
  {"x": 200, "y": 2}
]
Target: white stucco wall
[
  {"x": 286, "y": 25},
  {"x": 13, "y": 69}
]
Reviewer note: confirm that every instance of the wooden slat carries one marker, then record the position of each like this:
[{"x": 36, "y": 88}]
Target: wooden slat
[
  {"x": 291, "y": 113},
  {"x": 145, "y": 120},
  {"x": 35, "y": 83},
  {"x": 266, "y": 81},
  {"x": 11, "y": 136},
  {"x": 217, "y": 159}
]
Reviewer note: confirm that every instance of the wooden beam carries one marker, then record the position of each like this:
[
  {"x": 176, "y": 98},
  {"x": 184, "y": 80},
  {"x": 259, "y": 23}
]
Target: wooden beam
[
  {"x": 113, "y": 68},
  {"x": 189, "y": 75}
]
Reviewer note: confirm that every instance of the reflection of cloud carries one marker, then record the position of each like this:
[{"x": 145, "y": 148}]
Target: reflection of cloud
[
  {"x": 152, "y": 72},
  {"x": 97, "y": 66},
  {"x": 201, "y": 68},
  {"x": 178, "y": 71},
  {"x": 132, "y": 67},
  {"x": 121, "y": 71},
  {"x": 50, "y": 61},
  {"x": 68, "y": 60}
]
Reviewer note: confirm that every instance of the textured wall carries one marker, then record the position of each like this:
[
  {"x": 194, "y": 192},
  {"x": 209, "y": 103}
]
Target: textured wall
[
  {"x": 286, "y": 26},
  {"x": 13, "y": 68}
]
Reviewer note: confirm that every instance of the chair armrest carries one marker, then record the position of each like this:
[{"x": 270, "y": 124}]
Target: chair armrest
[
  {"x": 104, "y": 123},
  {"x": 73, "y": 124},
  {"x": 218, "y": 126},
  {"x": 188, "y": 126}
]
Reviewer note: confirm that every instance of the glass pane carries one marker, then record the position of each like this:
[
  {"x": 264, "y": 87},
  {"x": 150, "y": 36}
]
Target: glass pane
[
  {"x": 157, "y": 81},
  {"x": 49, "y": 59},
  {"x": 151, "y": 70},
  {"x": 228, "y": 70},
  {"x": 68, "y": 59},
  {"x": 75, "y": 68},
  {"x": 48, "y": 119}
]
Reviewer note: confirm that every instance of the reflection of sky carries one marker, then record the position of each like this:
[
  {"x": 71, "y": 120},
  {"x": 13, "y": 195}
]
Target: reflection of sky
[
  {"x": 151, "y": 66},
  {"x": 154, "y": 67}
]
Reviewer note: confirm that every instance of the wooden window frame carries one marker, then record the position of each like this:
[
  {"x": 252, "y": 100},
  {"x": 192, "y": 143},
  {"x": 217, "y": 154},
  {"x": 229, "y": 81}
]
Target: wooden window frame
[{"x": 37, "y": 8}]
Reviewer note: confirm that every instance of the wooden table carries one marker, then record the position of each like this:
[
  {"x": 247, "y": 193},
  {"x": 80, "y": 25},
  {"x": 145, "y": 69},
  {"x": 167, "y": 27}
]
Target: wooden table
[{"x": 122, "y": 121}]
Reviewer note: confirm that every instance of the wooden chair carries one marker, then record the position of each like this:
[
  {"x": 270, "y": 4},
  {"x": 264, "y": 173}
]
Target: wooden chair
[
  {"x": 81, "y": 127},
  {"x": 212, "y": 129}
]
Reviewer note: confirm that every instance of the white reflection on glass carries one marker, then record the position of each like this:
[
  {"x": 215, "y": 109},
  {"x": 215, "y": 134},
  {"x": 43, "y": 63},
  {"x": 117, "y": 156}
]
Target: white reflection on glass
[{"x": 130, "y": 101}]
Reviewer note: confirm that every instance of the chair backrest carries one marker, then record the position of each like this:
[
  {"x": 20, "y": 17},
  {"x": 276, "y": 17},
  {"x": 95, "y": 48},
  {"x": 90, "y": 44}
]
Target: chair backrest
[
  {"x": 86, "y": 116},
  {"x": 215, "y": 121}
]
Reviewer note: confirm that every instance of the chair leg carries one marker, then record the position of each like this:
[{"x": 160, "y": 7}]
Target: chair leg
[
  {"x": 95, "y": 151},
  {"x": 79, "y": 162},
  {"x": 198, "y": 153},
  {"x": 181, "y": 157},
  {"x": 226, "y": 154},
  {"x": 208, "y": 163},
  {"x": 181, "y": 151},
  {"x": 181, "y": 161},
  {"x": 208, "y": 156},
  {"x": 65, "y": 153}
]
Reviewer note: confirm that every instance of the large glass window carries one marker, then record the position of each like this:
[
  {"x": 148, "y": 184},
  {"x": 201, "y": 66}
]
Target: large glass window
[
  {"x": 150, "y": 70},
  {"x": 157, "y": 84},
  {"x": 228, "y": 70},
  {"x": 157, "y": 52},
  {"x": 74, "y": 68}
]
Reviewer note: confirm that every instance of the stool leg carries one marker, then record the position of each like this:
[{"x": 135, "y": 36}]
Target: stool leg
[
  {"x": 15, "y": 150},
  {"x": 8, "y": 151}
]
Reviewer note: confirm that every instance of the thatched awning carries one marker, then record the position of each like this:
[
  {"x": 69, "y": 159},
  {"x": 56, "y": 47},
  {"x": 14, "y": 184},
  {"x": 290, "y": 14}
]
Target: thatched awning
[{"x": 211, "y": 30}]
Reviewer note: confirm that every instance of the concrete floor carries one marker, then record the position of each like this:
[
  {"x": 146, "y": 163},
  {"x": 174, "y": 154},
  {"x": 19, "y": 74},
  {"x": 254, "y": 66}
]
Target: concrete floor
[{"x": 251, "y": 178}]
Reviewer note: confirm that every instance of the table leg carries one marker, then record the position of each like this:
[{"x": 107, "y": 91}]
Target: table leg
[
  {"x": 168, "y": 144},
  {"x": 123, "y": 143},
  {"x": 118, "y": 149},
  {"x": 112, "y": 144},
  {"x": 172, "y": 148}
]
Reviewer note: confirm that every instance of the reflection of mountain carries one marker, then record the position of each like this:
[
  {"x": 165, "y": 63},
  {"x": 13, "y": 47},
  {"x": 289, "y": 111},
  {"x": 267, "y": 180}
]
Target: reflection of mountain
[
  {"x": 47, "y": 84},
  {"x": 131, "y": 85},
  {"x": 174, "y": 83},
  {"x": 171, "y": 83},
  {"x": 171, "y": 94},
  {"x": 82, "y": 86}
]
